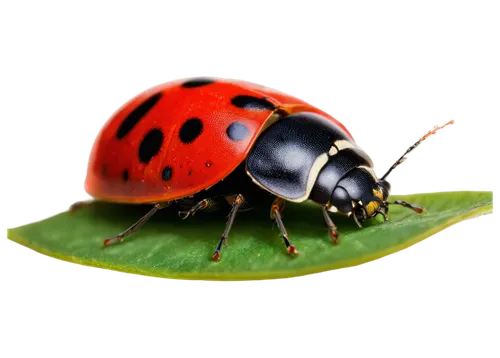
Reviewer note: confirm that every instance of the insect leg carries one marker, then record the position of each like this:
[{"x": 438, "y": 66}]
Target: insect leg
[
  {"x": 276, "y": 209},
  {"x": 415, "y": 208},
  {"x": 331, "y": 226},
  {"x": 355, "y": 218},
  {"x": 202, "y": 205},
  {"x": 137, "y": 225},
  {"x": 237, "y": 202}
]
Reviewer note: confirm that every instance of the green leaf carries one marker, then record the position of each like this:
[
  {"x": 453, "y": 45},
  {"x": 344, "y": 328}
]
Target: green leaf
[{"x": 170, "y": 247}]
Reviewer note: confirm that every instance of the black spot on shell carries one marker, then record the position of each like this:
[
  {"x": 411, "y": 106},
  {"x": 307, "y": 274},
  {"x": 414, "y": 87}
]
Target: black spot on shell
[
  {"x": 166, "y": 173},
  {"x": 252, "y": 103},
  {"x": 150, "y": 145},
  {"x": 190, "y": 130},
  {"x": 198, "y": 82},
  {"x": 125, "y": 175},
  {"x": 237, "y": 131},
  {"x": 104, "y": 170},
  {"x": 208, "y": 164},
  {"x": 136, "y": 115}
]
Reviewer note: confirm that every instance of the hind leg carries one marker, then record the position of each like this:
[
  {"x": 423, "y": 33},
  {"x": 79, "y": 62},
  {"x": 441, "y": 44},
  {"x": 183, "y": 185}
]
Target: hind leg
[{"x": 137, "y": 225}]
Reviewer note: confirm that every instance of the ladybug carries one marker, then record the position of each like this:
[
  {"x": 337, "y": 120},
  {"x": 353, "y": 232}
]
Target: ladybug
[{"x": 201, "y": 142}]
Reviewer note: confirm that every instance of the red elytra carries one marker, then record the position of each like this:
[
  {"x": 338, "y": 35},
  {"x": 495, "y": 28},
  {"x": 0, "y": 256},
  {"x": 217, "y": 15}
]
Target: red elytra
[{"x": 181, "y": 137}]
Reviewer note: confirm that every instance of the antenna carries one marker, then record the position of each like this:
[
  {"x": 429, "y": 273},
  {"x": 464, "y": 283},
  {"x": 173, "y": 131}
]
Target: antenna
[{"x": 419, "y": 142}]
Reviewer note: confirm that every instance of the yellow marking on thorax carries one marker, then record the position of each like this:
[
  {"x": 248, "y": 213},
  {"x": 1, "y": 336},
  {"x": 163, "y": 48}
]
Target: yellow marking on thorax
[{"x": 373, "y": 206}]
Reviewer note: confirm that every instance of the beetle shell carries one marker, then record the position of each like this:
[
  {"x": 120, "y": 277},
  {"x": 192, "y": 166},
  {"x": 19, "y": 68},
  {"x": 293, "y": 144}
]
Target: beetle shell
[{"x": 179, "y": 138}]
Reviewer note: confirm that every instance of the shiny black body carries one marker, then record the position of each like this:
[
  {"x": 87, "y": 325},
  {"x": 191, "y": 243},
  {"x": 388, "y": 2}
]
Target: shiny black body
[{"x": 306, "y": 156}]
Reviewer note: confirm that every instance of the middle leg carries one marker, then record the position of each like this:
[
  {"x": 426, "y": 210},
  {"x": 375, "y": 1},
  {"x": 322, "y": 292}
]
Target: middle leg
[
  {"x": 276, "y": 209},
  {"x": 237, "y": 202}
]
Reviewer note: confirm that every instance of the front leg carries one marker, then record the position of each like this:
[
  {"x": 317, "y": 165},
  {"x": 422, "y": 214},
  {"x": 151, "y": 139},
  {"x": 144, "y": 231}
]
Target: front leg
[
  {"x": 331, "y": 226},
  {"x": 137, "y": 225}
]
